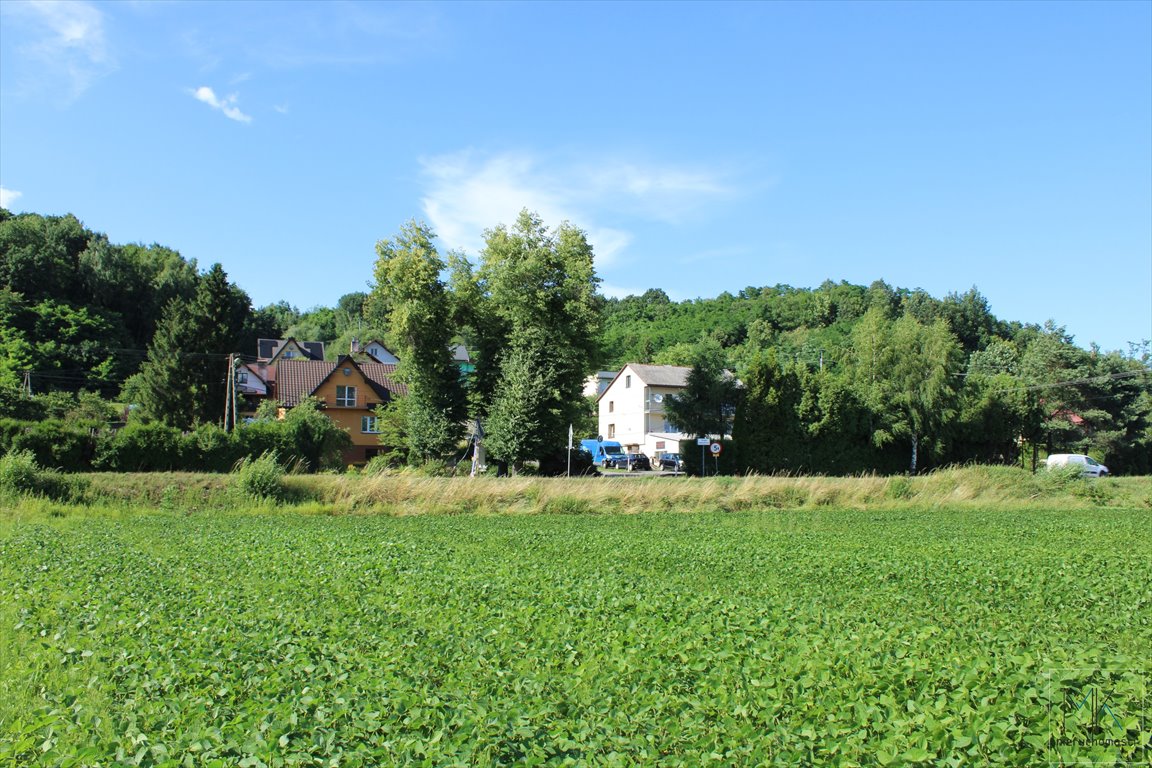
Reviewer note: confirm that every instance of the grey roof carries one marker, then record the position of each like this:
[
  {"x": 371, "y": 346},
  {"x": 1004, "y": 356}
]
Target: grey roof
[
  {"x": 661, "y": 375},
  {"x": 266, "y": 349}
]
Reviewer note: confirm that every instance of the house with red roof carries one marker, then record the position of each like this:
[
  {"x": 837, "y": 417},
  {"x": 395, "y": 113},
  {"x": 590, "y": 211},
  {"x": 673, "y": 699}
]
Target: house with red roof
[{"x": 349, "y": 393}]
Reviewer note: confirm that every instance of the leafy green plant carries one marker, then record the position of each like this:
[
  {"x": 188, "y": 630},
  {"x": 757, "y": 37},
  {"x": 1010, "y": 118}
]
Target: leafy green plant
[
  {"x": 899, "y": 487},
  {"x": 19, "y": 473},
  {"x": 140, "y": 447},
  {"x": 805, "y": 636},
  {"x": 261, "y": 478}
]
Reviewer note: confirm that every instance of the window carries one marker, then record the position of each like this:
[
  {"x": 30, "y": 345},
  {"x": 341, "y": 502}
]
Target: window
[
  {"x": 290, "y": 354},
  {"x": 346, "y": 396},
  {"x": 627, "y": 382},
  {"x": 611, "y": 406},
  {"x": 241, "y": 377},
  {"x": 611, "y": 431},
  {"x": 369, "y": 424}
]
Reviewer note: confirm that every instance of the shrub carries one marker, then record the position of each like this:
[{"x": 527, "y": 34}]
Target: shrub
[
  {"x": 899, "y": 488},
  {"x": 9, "y": 428},
  {"x": 210, "y": 449},
  {"x": 261, "y": 478},
  {"x": 58, "y": 443},
  {"x": 140, "y": 447},
  {"x": 315, "y": 439},
  {"x": 15, "y": 404},
  {"x": 377, "y": 465},
  {"x": 260, "y": 437},
  {"x": 19, "y": 473},
  {"x": 1059, "y": 478}
]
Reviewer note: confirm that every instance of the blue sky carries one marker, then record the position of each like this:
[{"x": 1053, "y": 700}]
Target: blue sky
[{"x": 702, "y": 147}]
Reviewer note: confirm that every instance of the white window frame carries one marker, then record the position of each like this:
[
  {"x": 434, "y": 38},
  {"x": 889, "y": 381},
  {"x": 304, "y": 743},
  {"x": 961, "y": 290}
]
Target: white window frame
[
  {"x": 348, "y": 398},
  {"x": 370, "y": 425}
]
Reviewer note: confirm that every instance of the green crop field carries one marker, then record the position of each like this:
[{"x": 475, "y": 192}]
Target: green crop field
[{"x": 815, "y": 636}]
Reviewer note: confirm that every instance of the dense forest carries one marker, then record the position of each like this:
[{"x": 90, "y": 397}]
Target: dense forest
[{"x": 839, "y": 378}]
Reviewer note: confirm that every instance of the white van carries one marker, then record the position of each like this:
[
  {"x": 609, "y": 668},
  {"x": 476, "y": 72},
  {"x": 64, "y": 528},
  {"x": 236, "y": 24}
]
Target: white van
[{"x": 1089, "y": 467}]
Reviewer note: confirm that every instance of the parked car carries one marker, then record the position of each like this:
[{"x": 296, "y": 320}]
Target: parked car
[
  {"x": 637, "y": 461},
  {"x": 1089, "y": 467},
  {"x": 629, "y": 461},
  {"x": 672, "y": 462}
]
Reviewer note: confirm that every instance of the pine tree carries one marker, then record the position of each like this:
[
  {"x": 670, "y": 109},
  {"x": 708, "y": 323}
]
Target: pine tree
[{"x": 183, "y": 381}]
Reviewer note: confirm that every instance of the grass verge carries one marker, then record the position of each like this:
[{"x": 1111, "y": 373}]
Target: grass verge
[{"x": 985, "y": 487}]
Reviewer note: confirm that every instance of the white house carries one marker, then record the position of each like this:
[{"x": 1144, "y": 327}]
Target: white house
[
  {"x": 595, "y": 384},
  {"x": 376, "y": 350},
  {"x": 631, "y": 408}
]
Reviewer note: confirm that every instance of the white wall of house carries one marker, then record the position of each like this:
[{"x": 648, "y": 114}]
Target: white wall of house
[
  {"x": 597, "y": 383},
  {"x": 631, "y": 412},
  {"x": 249, "y": 381},
  {"x": 381, "y": 353}
]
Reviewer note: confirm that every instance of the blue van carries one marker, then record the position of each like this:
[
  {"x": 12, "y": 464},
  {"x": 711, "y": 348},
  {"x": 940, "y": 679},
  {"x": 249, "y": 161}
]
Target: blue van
[{"x": 602, "y": 449}]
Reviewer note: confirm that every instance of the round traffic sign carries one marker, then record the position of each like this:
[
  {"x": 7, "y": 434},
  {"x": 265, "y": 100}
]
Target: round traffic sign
[{"x": 715, "y": 448}]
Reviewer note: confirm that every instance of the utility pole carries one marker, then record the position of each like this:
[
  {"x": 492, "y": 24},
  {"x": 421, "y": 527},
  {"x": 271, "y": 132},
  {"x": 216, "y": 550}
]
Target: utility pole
[
  {"x": 230, "y": 393},
  {"x": 235, "y": 366},
  {"x": 228, "y": 384}
]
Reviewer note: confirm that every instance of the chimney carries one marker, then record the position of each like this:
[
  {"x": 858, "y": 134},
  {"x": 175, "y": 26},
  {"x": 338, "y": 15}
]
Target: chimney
[{"x": 355, "y": 346}]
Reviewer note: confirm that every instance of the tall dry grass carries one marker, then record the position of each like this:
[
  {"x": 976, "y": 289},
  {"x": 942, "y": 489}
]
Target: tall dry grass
[
  {"x": 408, "y": 494},
  {"x": 982, "y": 486}
]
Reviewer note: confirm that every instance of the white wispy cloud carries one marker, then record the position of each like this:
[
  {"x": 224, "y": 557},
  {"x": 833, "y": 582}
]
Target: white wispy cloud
[
  {"x": 9, "y": 196},
  {"x": 227, "y": 105},
  {"x": 614, "y": 291},
  {"x": 63, "y": 48},
  {"x": 468, "y": 192}
]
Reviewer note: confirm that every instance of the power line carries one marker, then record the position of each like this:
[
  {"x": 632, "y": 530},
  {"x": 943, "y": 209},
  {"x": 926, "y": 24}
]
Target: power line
[{"x": 1076, "y": 382}]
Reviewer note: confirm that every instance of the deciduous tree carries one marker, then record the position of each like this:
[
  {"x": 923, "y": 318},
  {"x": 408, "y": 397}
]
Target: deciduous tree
[{"x": 412, "y": 298}]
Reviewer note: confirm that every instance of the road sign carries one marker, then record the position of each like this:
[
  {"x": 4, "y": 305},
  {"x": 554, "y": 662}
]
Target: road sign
[
  {"x": 702, "y": 441},
  {"x": 715, "y": 448}
]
